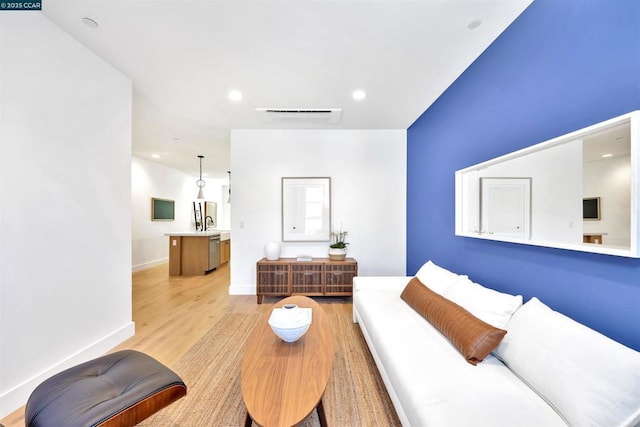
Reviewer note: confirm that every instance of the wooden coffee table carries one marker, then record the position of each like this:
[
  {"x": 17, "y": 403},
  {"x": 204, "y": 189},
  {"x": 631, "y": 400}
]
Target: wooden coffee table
[{"x": 283, "y": 382}]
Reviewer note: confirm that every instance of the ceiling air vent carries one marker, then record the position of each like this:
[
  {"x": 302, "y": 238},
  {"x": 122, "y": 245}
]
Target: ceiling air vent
[{"x": 300, "y": 115}]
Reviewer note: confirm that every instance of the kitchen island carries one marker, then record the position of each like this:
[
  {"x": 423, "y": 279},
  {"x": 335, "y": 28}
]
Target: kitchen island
[{"x": 193, "y": 253}]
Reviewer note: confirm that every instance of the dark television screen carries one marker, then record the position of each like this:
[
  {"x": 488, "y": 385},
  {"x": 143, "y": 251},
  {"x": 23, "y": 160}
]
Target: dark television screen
[
  {"x": 162, "y": 209},
  {"x": 591, "y": 208}
]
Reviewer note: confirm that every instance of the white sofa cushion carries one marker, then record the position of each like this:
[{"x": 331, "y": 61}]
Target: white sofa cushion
[
  {"x": 495, "y": 308},
  {"x": 590, "y": 379},
  {"x": 438, "y": 279}
]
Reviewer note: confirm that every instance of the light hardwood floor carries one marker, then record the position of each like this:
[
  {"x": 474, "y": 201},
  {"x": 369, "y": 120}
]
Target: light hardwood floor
[{"x": 172, "y": 313}]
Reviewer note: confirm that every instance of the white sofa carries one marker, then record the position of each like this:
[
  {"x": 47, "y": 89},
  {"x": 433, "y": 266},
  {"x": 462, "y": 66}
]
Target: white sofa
[{"x": 547, "y": 371}]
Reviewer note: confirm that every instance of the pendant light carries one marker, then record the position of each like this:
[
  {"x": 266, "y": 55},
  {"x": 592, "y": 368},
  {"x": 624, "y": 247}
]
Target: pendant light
[{"x": 200, "y": 183}]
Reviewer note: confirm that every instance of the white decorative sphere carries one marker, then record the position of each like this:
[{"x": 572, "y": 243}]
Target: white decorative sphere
[{"x": 272, "y": 251}]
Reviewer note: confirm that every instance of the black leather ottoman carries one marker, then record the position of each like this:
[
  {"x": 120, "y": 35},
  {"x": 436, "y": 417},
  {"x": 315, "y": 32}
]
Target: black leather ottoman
[{"x": 119, "y": 389}]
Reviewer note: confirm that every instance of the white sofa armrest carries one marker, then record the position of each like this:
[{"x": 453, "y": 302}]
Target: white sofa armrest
[{"x": 367, "y": 283}]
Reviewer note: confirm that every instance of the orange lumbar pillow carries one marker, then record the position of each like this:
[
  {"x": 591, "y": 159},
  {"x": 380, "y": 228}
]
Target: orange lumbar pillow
[{"x": 472, "y": 337}]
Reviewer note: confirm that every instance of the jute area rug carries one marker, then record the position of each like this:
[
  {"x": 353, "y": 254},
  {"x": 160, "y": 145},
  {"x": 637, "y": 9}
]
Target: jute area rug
[{"x": 355, "y": 395}]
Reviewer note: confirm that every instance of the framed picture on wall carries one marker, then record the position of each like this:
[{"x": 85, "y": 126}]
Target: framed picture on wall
[
  {"x": 306, "y": 209},
  {"x": 505, "y": 207},
  {"x": 591, "y": 209},
  {"x": 163, "y": 209}
]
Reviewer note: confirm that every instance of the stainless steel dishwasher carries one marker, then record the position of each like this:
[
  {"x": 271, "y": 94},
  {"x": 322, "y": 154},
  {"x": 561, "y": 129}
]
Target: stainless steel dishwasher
[{"x": 214, "y": 251}]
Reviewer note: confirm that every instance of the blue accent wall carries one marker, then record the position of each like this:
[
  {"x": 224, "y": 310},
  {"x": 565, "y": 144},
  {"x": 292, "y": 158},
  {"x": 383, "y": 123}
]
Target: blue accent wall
[{"x": 561, "y": 66}]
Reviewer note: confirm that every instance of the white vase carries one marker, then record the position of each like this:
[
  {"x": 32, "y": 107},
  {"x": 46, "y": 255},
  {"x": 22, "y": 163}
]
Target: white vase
[
  {"x": 272, "y": 251},
  {"x": 337, "y": 254}
]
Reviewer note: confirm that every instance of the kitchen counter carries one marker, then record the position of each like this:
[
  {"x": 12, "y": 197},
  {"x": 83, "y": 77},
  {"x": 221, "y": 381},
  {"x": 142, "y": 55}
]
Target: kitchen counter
[
  {"x": 224, "y": 234},
  {"x": 195, "y": 233},
  {"x": 197, "y": 252},
  {"x": 193, "y": 253}
]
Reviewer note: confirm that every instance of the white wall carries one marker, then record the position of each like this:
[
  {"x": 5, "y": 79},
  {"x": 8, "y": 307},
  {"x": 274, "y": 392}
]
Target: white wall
[
  {"x": 65, "y": 142},
  {"x": 368, "y": 191},
  {"x": 610, "y": 179},
  {"x": 149, "y": 245}
]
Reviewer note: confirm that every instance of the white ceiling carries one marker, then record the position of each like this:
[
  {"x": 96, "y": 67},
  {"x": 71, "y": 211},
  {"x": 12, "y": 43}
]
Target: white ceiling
[
  {"x": 614, "y": 141},
  {"x": 185, "y": 56}
]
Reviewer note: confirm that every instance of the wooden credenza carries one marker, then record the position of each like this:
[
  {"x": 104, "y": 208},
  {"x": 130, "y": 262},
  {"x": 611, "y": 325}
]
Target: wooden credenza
[
  {"x": 593, "y": 238},
  {"x": 318, "y": 277}
]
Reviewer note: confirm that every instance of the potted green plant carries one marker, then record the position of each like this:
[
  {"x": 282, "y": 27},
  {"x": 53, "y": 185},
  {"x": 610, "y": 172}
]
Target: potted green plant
[{"x": 338, "y": 246}]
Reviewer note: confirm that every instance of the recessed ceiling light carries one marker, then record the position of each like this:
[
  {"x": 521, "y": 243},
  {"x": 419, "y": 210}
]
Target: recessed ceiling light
[
  {"x": 359, "y": 95},
  {"x": 235, "y": 95},
  {"x": 155, "y": 156},
  {"x": 89, "y": 22},
  {"x": 607, "y": 155},
  {"x": 474, "y": 24}
]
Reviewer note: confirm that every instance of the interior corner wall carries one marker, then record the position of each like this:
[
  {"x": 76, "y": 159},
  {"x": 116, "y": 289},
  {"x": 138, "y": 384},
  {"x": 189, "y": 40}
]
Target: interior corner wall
[
  {"x": 559, "y": 67},
  {"x": 368, "y": 197},
  {"x": 65, "y": 185}
]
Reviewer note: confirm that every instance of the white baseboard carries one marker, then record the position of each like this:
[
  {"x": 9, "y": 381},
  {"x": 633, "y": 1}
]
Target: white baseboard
[
  {"x": 145, "y": 265},
  {"x": 242, "y": 289},
  {"x": 16, "y": 397}
]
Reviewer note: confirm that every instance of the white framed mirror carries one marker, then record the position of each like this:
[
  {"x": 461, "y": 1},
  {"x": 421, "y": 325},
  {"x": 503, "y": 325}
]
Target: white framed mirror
[
  {"x": 564, "y": 176},
  {"x": 211, "y": 214},
  {"x": 306, "y": 209}
]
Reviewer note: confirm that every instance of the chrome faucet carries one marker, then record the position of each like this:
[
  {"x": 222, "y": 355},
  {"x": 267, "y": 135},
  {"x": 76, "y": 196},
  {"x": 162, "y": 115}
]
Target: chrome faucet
[{"x": 205, "y": 221}]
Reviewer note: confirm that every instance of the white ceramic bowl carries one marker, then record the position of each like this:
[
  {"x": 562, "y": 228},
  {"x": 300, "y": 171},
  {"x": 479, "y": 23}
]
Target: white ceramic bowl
[
  {"x": 290, "y": 334},
  {"x": 290, "y": 324}
]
